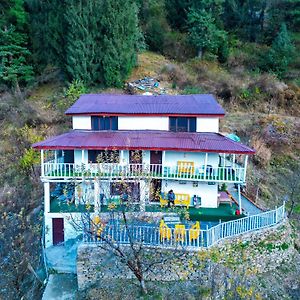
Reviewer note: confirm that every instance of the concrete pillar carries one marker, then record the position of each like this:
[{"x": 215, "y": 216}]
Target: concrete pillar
[
  {"x": 240, "y": 198},
  {"x": 46, "y": 197},
  {"x": 144, "y": 193},
  {"x": 42, "y": 163},
  {"x": 245, "y": 167},
  {"x": 97, "y": 204}
]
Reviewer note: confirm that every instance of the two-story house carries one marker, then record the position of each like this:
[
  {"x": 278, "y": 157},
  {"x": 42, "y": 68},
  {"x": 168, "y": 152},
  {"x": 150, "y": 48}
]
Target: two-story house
[{"x": 176, "y": 138}]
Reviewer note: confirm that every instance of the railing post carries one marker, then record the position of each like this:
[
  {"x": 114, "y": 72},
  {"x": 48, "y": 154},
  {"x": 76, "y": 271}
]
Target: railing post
[{"x": 276, "y": 216}]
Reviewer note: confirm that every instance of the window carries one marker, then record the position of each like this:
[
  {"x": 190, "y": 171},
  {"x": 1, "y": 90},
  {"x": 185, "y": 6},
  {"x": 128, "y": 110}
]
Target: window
[
  {"x": 182, "y": 124},
  {"x": 103, "y": 156},
  {"x": 104, "y": 123}
]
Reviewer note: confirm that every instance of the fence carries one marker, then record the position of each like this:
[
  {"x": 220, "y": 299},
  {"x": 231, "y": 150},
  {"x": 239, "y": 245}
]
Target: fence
[
  {"x": 174, "y": 237},
  {"x": 106, "y": 170}
]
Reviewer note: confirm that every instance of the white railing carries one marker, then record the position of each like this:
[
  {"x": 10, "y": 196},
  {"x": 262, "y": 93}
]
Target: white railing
[
  {"x": 188, "y": 172},
  {"x": 171, "y": 237}
]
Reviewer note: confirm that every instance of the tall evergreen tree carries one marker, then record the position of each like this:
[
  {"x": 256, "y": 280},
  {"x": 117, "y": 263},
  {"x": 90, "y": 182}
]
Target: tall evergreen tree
[
  {"x": 204, "y": 30},
  {"x": 47, "y": 32},
  {"x": 15, "y": 65},
  {"x": 83, "y": 40},
  {"x": 281, "y": 52},
  {"x": 120, "y": 33}
]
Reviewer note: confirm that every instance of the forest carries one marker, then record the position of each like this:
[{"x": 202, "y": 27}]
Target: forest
[
  {"x": 245, "y": 52},
  {"x": 97, "y": 41}
]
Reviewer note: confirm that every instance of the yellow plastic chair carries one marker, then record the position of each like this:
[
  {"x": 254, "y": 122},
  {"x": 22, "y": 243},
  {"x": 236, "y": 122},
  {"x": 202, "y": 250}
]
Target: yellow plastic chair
[
  {"x": 97, "y": 226},
  {"x": 164, "y": 231},
  {"x": 163, "y": 202},
  {"x": 179, "y": 233},
  {"x": 194, "y": 231}
]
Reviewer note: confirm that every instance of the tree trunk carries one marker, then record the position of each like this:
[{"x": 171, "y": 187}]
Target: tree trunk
[
  {"x": 200, "y": 53},
  {"x": 143, "y": 286}
]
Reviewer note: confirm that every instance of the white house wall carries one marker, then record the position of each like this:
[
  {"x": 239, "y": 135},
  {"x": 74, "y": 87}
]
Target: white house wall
[
  {"x": 171, "y": 158},
  {"x": 82, "y": 122},
  {"x": 208, "y": 193},
  {"x": 69, "y": 231},
  {"x": 207, "y": 125},
  {"x": 143, "y": 123}
]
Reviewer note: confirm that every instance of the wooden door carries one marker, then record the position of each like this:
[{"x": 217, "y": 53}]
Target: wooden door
[
  {"x": 155, "y": 162},
  {"x": 58, "y": 230}
]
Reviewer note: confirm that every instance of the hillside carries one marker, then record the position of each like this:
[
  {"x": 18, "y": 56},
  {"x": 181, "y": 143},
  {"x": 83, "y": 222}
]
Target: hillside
[{"x": 272, "y": 132}]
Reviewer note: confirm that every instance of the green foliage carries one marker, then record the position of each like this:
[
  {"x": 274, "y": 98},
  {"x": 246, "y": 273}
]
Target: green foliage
[
  {"x": 120, "y": 33},
  {"x": 14, "y": 54},
  {"x": 190, "y": 90},
  {"x": 203, "y": 31},
  {"x": 281, "y": 52},
  {"x": 83, "y": 55},
  {"x": 75, "y": 90}
]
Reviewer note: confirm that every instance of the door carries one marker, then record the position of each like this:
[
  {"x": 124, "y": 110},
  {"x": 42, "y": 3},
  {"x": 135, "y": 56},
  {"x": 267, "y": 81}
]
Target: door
[
  {"x": 155, "y": 162},
  {"x": 58, "y": 230}
]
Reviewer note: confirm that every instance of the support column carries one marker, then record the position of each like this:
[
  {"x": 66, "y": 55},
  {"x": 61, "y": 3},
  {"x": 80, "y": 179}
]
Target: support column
[
  {"x": 205, "y": 165},
  {"x": 46, "y": 197},
  {"x": 240, "y": 198},
  {"x": 82, "y": 156},
  {"x": 245, "y": 167},
  {"x": 121, "y": 157},
  {"x": 97, "y": 204},
  {"x": 144, "y": 192},
  {"x": 42, "y": 163}
]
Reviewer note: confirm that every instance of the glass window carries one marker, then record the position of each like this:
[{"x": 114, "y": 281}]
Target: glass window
[
  {"x": 103, "y": 156},
  {"x": 182, "y": 124},
  {"x": 104, "y": 123}
]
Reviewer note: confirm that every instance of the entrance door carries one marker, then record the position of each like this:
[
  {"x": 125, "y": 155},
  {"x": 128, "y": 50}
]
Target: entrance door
[
  {"x": 58, "y": 230},
  {"x": 155, "y": 162}
]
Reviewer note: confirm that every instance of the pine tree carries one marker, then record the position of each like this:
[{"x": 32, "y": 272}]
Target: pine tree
[
  {"x": 203, "y": 31},
  {"x": 14, "y": 54},
  {"x": 281, "y": 52},
  {"x": 47, "y": 32},
  {"x": 83, "y": 40},
  {"x": 120, "y": 32}
]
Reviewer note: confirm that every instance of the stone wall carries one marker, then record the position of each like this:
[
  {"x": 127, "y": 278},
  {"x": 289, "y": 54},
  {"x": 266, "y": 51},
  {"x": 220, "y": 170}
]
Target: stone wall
[{"x": 252, "y": 253}]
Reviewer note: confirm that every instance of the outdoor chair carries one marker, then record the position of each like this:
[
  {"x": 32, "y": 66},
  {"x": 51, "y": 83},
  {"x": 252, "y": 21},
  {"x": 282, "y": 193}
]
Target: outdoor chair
[
  {"x": 164, "y": 231},
  {"x": 194, "y": 231},
  {"x": 179, "y": 233}
]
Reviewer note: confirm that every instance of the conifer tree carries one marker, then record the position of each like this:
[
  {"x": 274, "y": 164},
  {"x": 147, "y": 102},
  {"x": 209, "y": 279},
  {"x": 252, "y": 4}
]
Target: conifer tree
[
  {"x": 83, "y": 40},
  {"x": 281, "y": 52},
  {"x": 15, "y": 65},
  {"x": 120, "y": 32}
]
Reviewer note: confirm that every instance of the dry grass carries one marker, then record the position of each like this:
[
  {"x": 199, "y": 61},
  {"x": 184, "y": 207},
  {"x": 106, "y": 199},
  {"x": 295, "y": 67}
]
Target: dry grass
[{"x": 149, "y": 64}]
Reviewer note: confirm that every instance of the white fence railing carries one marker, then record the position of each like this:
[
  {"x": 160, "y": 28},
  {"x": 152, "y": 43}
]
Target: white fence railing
[
  {"x": 188, "y": 172},
  {"x": 172, "y": 237}
]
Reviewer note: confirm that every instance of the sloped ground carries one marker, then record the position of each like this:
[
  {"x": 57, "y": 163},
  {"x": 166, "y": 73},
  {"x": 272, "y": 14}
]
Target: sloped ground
[{"x": 60, "y": 287}]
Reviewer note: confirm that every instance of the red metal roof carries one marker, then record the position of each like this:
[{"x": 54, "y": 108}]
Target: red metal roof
[
  {"x": 144, "y": 140},
  {"x": 191, "y": 105}
]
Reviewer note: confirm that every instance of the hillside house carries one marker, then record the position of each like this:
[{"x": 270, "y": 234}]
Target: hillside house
[{"x": 172, "y": 141}]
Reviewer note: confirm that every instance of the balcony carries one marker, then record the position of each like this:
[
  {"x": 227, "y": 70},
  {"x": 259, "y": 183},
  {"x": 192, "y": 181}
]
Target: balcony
[{"x": 205, "y": 173}]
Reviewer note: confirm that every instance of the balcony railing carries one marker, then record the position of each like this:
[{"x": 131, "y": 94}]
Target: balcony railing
[{"x": 143, "y": 171}]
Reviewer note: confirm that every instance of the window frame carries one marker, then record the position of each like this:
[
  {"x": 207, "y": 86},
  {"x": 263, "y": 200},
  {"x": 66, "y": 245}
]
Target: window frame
[
  {"x": 104, "y": 123},
  {"x": 191, "y": 124}
]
